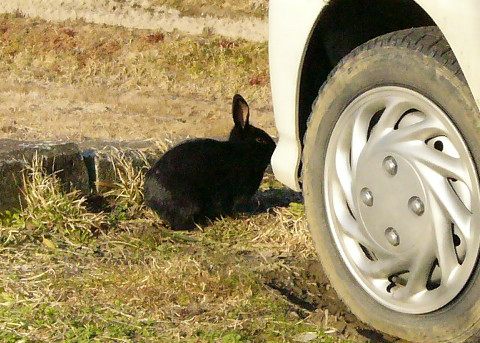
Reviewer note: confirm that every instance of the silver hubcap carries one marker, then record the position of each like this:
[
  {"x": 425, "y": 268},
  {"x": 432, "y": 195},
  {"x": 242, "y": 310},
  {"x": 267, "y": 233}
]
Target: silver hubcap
[{"x": 402, "y": 199}]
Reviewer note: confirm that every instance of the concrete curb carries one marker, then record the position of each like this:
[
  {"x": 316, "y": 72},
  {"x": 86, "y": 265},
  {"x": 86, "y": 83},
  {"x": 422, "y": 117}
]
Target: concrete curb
[
  {"x": 100, "y": 157},
  {"x": 65, "y": 159},
  {"x": 78, "y": 166}
]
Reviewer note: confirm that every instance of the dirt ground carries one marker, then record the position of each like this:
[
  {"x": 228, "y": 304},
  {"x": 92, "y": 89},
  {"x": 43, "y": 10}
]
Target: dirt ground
[
  {"x": 73, "y": 90},
  {"x": 33, "y": 110},
  {"x": 75, "y": 80}
]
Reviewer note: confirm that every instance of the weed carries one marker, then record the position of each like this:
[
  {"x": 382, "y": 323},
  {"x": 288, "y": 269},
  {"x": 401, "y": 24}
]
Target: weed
[
  {"x": 48, "y": 210},
  {"x": 127, "y": 192}
]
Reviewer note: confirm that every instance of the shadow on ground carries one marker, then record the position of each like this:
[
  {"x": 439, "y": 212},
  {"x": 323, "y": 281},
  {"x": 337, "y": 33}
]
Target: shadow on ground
[
  {"x": 307, "y": 288},
  {"x": 263, "y": 201}
]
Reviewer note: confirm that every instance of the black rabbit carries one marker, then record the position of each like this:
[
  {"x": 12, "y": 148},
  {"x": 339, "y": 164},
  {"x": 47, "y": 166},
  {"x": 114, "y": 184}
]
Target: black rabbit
[{"x": 205, "y": 178}]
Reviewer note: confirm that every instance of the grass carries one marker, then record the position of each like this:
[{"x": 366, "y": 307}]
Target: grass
[
  {"x": 78, "y": 81},
  {"x": 48, "y": 211},
  {"x": 133, "y": 280},
  {"x": 71, "y": 274},
  {"x": 88, "y": 55}
]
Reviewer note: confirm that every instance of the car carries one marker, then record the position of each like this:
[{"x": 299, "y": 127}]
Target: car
[{"x": 376, "y": 104}]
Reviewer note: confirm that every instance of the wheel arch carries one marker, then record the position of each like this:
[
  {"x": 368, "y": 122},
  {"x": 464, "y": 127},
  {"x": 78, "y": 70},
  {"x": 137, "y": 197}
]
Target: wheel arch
[{"x": 342, "y": 26}]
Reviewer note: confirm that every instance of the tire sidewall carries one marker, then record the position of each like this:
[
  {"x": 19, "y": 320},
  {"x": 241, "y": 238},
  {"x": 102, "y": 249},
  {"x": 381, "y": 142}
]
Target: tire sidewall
[{"x": 358, "y": 73}]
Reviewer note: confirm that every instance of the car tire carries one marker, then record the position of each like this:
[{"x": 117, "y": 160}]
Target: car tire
[{"x": 391, "y": 187}]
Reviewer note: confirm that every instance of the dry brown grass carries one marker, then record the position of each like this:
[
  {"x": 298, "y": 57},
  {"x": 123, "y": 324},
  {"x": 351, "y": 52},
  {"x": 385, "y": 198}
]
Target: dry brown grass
[
  {"x": 48, "y": 210},
  {"x": 132, "y": 280},
  {"x": 127, "y": 192},
  {"x": 100, "y": 56}
]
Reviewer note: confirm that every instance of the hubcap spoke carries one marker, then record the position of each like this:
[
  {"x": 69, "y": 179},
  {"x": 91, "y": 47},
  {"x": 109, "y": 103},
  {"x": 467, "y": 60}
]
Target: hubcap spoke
[
  {"x": 441, "y": 163},
  {"x": 394, "y": 109},
  {"x": 420, "y": 131},
  {"x": 419, "y": 273},
  {"x": 386, "y": 266},
  {"x": 359, "y": 135},
  {"x": 447, "y": 258},
  {"x": 449, "y": 204},
  {"x": 344, "y": 178},
  {"x": 351, "y": 227}
]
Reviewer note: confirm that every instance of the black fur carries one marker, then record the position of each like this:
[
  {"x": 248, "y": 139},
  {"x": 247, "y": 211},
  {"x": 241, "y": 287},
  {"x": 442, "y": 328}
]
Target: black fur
[{"x": 205, "y": 178}]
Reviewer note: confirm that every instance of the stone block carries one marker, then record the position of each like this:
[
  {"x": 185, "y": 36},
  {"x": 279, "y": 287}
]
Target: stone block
[
  {"x": 63, "y": 158},
  {"x": 102, "y": 157}
]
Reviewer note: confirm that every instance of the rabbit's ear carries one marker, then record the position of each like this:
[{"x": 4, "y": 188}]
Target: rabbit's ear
[{"x": 241, "y": 112}]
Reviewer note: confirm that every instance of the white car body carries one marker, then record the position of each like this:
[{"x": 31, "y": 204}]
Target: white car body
[{"x": 291, "y": 24}]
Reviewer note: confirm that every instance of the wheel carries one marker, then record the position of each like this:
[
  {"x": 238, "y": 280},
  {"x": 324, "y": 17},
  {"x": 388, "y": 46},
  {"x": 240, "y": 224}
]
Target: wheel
[{"x": 391, "y": 187}]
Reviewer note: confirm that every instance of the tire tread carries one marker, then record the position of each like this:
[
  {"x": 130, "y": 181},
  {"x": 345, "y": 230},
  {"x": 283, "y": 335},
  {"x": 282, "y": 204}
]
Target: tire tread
[{"x": 427, "y": 40}]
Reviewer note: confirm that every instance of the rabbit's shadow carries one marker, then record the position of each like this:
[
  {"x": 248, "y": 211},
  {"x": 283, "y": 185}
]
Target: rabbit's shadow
[
  {"x": 265, "y": 200},
  {"x": 262, "y": 202}
]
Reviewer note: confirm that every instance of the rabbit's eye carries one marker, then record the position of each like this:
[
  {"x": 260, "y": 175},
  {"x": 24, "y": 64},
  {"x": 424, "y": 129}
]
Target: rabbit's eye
[{"x": 261, "y": 140}]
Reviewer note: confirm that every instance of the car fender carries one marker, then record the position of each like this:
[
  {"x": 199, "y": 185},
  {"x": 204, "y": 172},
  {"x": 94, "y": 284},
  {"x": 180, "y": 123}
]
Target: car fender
[{"x": 291, "y": 24}]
